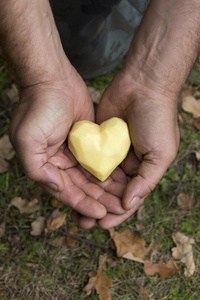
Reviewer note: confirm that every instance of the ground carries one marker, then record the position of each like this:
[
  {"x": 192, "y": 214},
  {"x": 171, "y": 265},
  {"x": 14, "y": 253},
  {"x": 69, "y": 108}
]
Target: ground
[{"x": 43, "y": 267}]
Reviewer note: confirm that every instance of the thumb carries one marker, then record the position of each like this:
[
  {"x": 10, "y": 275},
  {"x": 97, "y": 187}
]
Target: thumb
[{"x": 148, "y": 175}]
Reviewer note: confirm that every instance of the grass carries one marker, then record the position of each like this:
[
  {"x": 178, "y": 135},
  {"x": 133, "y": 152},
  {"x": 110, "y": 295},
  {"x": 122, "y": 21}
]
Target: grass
[{"x": 31, "y": 268}]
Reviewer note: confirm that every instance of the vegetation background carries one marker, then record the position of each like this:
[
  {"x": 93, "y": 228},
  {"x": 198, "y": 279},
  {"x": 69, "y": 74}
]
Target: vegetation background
[{"x": 50, "y": 266}]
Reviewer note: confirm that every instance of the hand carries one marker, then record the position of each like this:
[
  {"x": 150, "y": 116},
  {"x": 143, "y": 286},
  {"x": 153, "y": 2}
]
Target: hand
[
  {"x": 38, "y": 133},
  {"x": 152, "y": 121}
]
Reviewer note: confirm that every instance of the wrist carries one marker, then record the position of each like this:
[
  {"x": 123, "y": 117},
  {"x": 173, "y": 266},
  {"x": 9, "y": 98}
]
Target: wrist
[
  {"x": 31, "y": 42},
  {"x": 142, "y": 84},
  {"x": 165, "y": 46}
]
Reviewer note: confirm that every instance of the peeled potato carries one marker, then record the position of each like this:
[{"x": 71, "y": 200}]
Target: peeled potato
[{"x": 100, "y": 148}]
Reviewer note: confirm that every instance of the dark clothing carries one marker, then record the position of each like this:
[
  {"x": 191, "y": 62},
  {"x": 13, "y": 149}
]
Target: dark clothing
[{"x": 96, "y": 34}]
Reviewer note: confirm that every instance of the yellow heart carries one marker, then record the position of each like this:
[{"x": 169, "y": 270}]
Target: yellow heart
[{"x": 100, "y": 148}]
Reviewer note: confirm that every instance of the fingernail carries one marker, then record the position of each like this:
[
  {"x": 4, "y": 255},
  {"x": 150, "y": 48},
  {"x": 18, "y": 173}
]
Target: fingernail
[
  {"x": 52, "y": 186},
  {"x": 134, "y": 202}
]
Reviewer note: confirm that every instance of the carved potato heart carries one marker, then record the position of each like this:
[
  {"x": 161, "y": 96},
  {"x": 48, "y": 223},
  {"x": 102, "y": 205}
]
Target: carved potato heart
[{"x": 100, "y": 148}]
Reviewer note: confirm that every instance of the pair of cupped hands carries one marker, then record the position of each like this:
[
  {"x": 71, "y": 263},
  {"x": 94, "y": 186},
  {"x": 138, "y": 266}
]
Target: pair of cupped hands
[{"x": 39, "y": 131}]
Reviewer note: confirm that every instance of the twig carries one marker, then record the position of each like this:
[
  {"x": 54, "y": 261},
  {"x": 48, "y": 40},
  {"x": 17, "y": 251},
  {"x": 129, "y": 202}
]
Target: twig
[
  {"x": 86, "y": 241},
  {"x": 12, "y": 232},
  {"x": 75, "y": 237}
]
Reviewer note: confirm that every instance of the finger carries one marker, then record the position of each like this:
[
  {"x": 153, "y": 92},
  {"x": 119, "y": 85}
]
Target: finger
[
  {"x": 111, "y": 202},
  {"x": 119, "y": 176},
  {"x": 111, "y": 220},
  {"x": 76, "y": 198},
  {"x": 114, "y": 184},
  {"x": 148, "y": 175},
  {"x": 37, "y": 167},
  {"x": 83, "y": 222},
  {"x": 47, "y": 174}
]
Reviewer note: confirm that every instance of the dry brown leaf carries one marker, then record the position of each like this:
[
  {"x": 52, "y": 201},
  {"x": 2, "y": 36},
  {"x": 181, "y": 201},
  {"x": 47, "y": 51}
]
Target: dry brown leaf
[
  {"x": 197, "y": 155},
  {"x": 185, "y": 201},
  {"x": 14, "y": 239},
  {"x": 130, "y": 256},
  {"x": 196, "y": 123},
  {"x": 184, "y": 252},
  {"x": 129, "y": 246},
  {"x": 184, "y": 118},
  {"x": 90, "y": 285},
  {"x": 18, "y": 202},
  {"x": 6, "y": 149},
  {"x": 12, "y": 93},
  {"x": 161, "y": 268},
  {"x": 6, "y": 153},
  {"x": 55, "y": 221},
  {"x": 103, "y": 259},
  {"x": 55, "y": 203},
  {"x": 95, "y": 94},
  {"x": 91, "y": 274},
  {"x": 4, "y": 165},
  {"x": 69, "y": 240},
  {"x": 191, "y": 105},
  {"x": 188, "y": 92},
  {"x": 38, "y": 226},
  {"x": 2, "y": 228},
  {"x": 196, "y": 93},
  {"x": 142, "y": 292},
  {"x": 113, "y": 263},
  {"x": 140, "y": 228},
  {"x": 24, "y": 205},
  {"x": 59, "y": 241},
  {"x": 140, "y": 212},
  {"x": 101, "y": 283}
]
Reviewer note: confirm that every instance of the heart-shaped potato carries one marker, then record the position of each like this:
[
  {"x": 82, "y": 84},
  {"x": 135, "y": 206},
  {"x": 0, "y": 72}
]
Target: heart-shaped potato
[{"x": 100, "y": 148}]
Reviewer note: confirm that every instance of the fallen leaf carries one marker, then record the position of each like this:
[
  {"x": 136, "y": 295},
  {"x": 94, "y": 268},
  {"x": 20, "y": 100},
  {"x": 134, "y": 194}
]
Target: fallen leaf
[
  {"x": 6, "y": 152},
  {"x": 100, "y": 282},
  {"x": 55, "y": 203},
  {"x": 129, "y": 246},
  {"x": 38, "y": 226},
  {"x": 188, "y": 92},
  {"x": 69, "y": 240},
  {"x": 91, "y": 274},
  {"x": 59, "y": 241},
  {"x": 161, "y": 268},
  {"x": 197, "y": 94},
  {"x": 140, "y": 212},
  {"x": 6, "y": 149},
  {"x": 90, "y": 285},
  {"x": 113, "y": 263},
  {"x": 197, "y": 155},
  {"x": 140, "y": 228},
  {"x": 102, "y": 285},
  {"x": 2, "y": 228},
  {"x": 4, "y": 165},
  {"x": 55, "y": 221},
  {"x": 185, "y": 201},
  {"x": 95, "y": 94},
  {"x": 12, "y": 93},
  {"x": 130, "y": 256},
  {"x": 103, "y": 259},
  {"x": 24, "y": 205},
  {"x": 191, "y": 105},
  {"x": 14, "y": 239},
  {"x": 184, "y": 118},
  {"x": 183, "y": 252},
  {"x": 196, "y": 123},
  {"x": 142, "y": 292}
]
